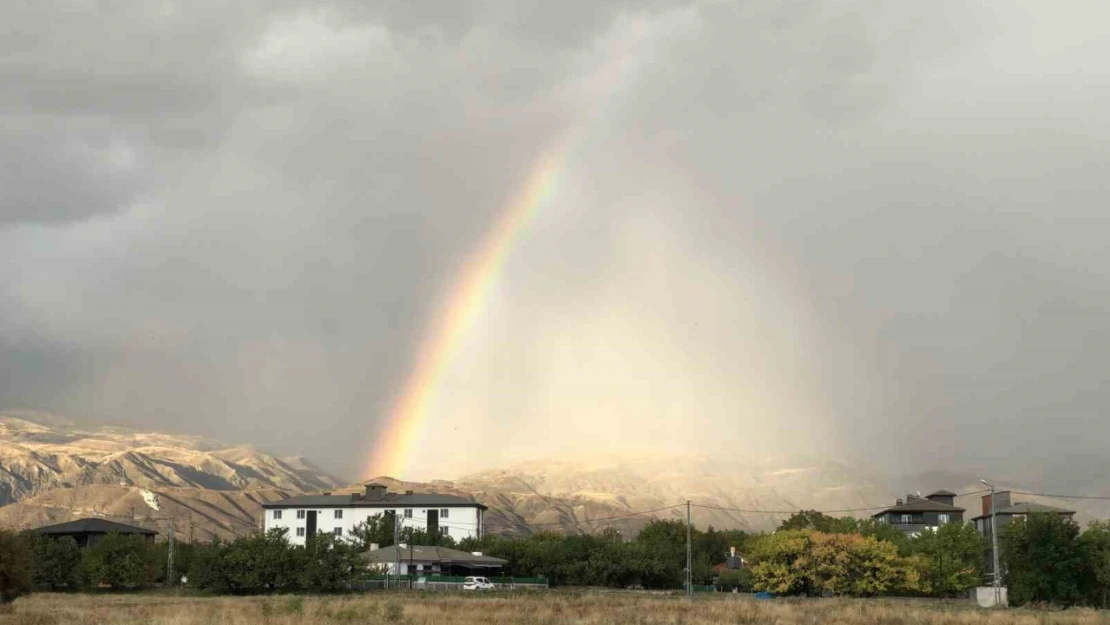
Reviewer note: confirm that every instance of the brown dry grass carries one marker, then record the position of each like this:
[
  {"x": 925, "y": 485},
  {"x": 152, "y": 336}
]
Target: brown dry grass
[{"x": 503, "y": 609}]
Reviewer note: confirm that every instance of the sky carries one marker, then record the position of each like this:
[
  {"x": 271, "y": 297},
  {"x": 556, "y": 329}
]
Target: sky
[{"x": 857, "y": 229}]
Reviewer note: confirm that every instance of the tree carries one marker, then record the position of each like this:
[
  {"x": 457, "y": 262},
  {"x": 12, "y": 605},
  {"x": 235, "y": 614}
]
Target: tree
[
  {"x": 806, "y": 562},
  {"x": 821, "y": 522},
  {"x": 15, "y": 566},
  {"x": 778, "y": 556},
  {"x": 1095, "y": 545},
  {"x": 951, "y": 558},
  {"x": 258, "y": 563},
  {"x": 56, "y": 561},
  {"x": 737, "y": 579},
  {"x": 120, "y": 561},
  {"x": 1042, "y": 560},
  {"x": 376, "y": 530},
  {"x": 331, "y": 564}
]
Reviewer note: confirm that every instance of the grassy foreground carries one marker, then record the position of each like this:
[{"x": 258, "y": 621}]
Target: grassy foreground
[{"x": 532, "y": 609}]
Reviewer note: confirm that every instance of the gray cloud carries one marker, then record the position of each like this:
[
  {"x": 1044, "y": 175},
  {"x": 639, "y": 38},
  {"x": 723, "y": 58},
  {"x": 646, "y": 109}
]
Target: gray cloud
[{"x": 848, "y": 230}]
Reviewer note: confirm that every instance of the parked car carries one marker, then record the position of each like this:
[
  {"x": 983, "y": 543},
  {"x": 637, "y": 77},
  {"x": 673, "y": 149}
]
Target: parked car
[{"x": 477, "y": 583}]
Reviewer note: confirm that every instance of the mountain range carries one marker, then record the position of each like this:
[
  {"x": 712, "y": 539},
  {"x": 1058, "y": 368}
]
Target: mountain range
[{"x": 53, "y": 470}]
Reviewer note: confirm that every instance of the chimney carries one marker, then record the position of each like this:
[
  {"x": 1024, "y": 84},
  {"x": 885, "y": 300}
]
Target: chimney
[
  {"x": 732, "y": 552},
  {"x": 326, "y": 493},
  {"x": 373, "y": 546},
  {"x": 910, "y": 497},
  {"x": 408, "y": 492},
  {"x": 356, "y": 497},
  {"x": 476, "y": 553},
  {"x": 897, "y": 502},
  {"x": 375, "y": 492}
]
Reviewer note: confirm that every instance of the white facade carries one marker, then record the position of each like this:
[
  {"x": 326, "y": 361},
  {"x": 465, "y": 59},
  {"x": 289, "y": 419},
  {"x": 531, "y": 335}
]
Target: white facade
[{"x": 458, "y": 521}]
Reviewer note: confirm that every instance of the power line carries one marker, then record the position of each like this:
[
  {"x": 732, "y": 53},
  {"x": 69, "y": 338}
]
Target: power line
[
  {"x": 1096, "y": 497},
  {"x": 976, "y": 492}
]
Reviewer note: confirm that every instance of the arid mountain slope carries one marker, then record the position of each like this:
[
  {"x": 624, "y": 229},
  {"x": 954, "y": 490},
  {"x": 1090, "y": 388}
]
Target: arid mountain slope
[{"x": 40, "y": 453}]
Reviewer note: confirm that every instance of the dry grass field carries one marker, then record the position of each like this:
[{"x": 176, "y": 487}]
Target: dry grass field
[{"x": 531, "y": 609}]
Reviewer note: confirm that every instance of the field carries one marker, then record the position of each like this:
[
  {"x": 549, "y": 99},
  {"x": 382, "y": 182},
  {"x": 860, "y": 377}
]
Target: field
[{"x": 531, "y": 609}]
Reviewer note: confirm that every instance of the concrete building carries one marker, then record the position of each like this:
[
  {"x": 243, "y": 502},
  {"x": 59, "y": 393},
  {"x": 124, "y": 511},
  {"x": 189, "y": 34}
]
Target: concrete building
[
  {"x": 917, "y": 514},
  {"x": 307, "y": 515}
]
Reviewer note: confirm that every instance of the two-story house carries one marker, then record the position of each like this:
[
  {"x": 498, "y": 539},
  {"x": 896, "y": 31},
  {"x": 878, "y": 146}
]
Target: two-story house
[
  {"x": 917, "y": 514},
  {"x": 1006, "y": 511},
  {"x": 307, "y": 515}
]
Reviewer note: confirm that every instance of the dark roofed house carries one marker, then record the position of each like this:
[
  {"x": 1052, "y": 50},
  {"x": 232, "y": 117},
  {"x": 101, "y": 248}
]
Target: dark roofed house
[
  {"x": 419, "y": 559},
  {"x": 1006, "y": 512},
  {"x": 917, "y": 514},
  {"x": 89, "y": 531}
]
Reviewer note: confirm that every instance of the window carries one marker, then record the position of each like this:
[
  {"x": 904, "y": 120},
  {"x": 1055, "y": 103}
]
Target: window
[
  {"x": 942, "y": 519},
  {"x": 446, "y": 531},
  {"x": 443, "y": 513},
  {"x": 300, "y": 514},
  {"x": 408, "y": 513},
  {"x": 339, "y": 514},
  {"x": 277, "y": 515},
  {"x": 300, "y": 531},
  {"x": 337, "y": 531},
  {"x": 907, "y": 519}
]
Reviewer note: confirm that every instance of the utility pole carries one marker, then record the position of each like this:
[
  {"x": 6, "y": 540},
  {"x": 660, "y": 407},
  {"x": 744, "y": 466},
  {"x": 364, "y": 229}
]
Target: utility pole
[
  {"x": 169, "y": 558},
  {"x": 689, "y": 555},
  {"x": 997, "y": 581},
  {"x": 396, "y": 544}
]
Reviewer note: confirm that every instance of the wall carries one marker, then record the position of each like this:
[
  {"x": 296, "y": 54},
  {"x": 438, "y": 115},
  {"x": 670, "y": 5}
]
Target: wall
[{"x": 461, "y": 522}]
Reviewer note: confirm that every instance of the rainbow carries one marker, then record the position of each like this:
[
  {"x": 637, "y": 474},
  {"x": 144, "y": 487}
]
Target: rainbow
[
  {"x": 445, "y": 338},
  {"x": 410, "y": 412}
]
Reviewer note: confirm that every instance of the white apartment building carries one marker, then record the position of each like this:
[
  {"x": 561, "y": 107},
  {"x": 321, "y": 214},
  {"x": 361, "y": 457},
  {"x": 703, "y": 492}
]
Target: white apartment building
[{"x": 308, "y": 515}]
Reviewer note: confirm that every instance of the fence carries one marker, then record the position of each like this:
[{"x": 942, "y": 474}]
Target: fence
[{"x": 444, "y": 582}]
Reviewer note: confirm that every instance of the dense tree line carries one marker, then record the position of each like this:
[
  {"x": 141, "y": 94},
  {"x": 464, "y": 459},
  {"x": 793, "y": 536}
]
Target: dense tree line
[{"x": 1046, "y": 559}]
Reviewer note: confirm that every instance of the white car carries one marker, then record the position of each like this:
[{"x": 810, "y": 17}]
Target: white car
[{"x": 477, "y": 583}]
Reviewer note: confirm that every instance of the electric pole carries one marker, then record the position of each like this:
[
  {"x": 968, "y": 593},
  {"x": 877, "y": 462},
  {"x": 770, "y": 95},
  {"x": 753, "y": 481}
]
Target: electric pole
[
  {"x": 997, "y": 581},
  {"x": 396, "y": 544},
  {"x": 169, "y": 558},
  {"x": 689, "y": 556}
]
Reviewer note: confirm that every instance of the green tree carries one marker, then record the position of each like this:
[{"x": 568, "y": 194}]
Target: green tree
[
  {"x": 952, "y": 559},
  {"x": 120, "y": 561},
  {"x": 331, "y": 564},
  {"x": 258, "y": 563},
  {"x": 819, "y": 521},
  {"x": 1042, "y": 560},
  {"x": 15, "y": 566},
  {"x": 737, "y": 579},
  {"x": 778, "y": 559},
  {"x": 1095, "y": 545},
  {"x": 56, "y": 561},
  {"x": 377, "y": 530}
]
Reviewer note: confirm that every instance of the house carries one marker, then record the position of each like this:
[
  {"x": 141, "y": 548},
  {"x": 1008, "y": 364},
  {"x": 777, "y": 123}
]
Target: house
[
  {"x": 307, "y": 515},
  {"x": 87, "y": 532},
  {"x": 1006, "y": 511},
  {"x": 425, "y": 560},
  {"x": 917, "y": 514}
]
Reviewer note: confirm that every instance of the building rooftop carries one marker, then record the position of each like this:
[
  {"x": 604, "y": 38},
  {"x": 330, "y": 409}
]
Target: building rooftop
[
  {"x": 388, "y": 500},
  {"x": 920, "y": 505},
  {"x": 1027, "y": 507},
  {"x": 424, "y": 554},
  {"x": 94, "y": 526}
]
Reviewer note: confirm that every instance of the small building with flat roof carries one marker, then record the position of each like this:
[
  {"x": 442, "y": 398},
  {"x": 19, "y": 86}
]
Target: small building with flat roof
[
  {"x": 89, "y": 531},
  {"x": 428, "y": 560}
]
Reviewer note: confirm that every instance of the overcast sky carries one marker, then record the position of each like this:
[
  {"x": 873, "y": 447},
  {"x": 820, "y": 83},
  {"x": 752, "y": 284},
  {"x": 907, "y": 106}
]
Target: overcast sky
[{"x": 865, "y": 229}]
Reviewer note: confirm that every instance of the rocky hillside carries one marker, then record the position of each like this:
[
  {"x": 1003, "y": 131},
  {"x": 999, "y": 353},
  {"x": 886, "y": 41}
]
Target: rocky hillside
[{"x": 40, "y": 453}]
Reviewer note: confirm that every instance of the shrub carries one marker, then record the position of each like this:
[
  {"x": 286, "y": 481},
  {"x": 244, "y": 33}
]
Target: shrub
[
  {"x": 120, "y": 561},
  {"x": 15, "y": 566},
  {"x": 57, "y": 561}
]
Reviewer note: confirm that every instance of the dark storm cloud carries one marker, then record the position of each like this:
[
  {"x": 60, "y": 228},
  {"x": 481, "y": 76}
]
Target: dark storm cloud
[{"x": 799, "y": 221}]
